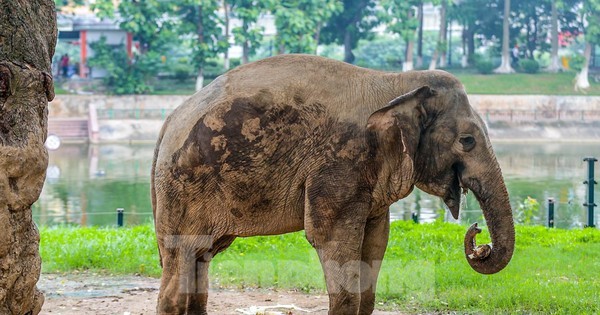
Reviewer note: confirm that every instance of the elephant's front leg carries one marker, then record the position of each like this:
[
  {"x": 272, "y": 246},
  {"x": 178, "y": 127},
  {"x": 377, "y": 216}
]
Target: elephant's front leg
[
  {"x": 337, "y": 234},
  {"x": 373, "y": 248}
]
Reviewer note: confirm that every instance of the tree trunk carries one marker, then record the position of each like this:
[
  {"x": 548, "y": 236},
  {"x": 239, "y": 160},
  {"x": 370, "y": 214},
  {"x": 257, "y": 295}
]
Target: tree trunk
[
  {"x": 245, "y": 45},
  {"x": 471, "y": 42},
  {"x": 245, "y": 52},
  {"x": 464, "y": 61},
  {"x": 27, "y": 39},
  {"x": 439, "y": 53},
  {"x": 407, "y": 65},
  {"x": 408, "y": 62},
  {"x": 581, "y": 80},
  {"x": 348, "y": 55},
  {"x": 200, "y": 79},
  {"x": 443, "y": 36},
  {"x": 318, "y": 37},
  {"x": 554, "y": 62},
  {"x": 200, "y": 31},
  {"x": 420, "y": 37},
  {"x": 226, "y": 22},
  {"x": 505, "y": 64}
]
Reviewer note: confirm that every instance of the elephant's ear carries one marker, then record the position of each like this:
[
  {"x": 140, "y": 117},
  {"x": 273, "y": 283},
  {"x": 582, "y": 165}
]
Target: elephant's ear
[{"x": 396, "y": 128}]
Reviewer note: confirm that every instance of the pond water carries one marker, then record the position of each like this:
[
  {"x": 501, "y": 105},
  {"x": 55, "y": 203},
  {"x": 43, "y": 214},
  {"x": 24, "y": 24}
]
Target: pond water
[{"x": 85, "y": 184}]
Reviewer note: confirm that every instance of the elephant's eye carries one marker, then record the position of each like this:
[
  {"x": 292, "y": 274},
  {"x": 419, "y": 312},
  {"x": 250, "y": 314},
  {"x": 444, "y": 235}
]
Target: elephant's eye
[{"x": 468, "y": 142}]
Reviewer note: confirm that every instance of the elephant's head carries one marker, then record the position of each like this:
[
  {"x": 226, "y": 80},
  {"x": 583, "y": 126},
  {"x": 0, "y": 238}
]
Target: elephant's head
[{"x": 450, "y": 155}]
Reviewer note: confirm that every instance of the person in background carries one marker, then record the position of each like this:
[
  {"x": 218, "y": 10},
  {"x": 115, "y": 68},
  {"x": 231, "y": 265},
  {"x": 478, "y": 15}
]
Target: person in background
[
  {"x": 64, "y": 64},
  {"x": 515, "y": 56}
]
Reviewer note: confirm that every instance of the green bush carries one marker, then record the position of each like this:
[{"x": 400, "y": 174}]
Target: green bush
[
  {"x": 182, "y": 72},
  {"x": 529, "y": 66},
  {"x": 484, "y": 66},
  {"x": 124, "y": 76},
  {"x": 383, "y": 53},
  {"x": 576, "y": 62}
]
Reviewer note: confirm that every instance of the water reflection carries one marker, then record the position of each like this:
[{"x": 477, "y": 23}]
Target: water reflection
[{"x": 85, "y": 184}]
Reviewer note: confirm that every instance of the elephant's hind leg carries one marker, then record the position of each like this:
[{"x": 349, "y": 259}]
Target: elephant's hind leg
[
  {"x": 184, "y": 283},
  {"x": 197, "y": 301},
  {"x": 373, "y": 249}
]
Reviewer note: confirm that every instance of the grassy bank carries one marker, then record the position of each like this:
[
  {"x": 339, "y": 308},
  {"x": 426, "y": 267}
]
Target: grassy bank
[
  {"x": 517, "y": 83},
  {"x": 553, "y": 271},
  {"x": 523, "y": 83}
]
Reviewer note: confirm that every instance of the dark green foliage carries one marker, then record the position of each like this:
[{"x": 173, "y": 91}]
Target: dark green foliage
[
  {"x": 299, "y": 21},
  {"x": 576, "y": 62},
  {"x": 124, "y": 76},
  {"x": 384, "y": 53},
  {"x": 248, "y": 35},
  {"x": 182, "y": 72},
  {"x": 484, "y": 66},
  {"x": 354, "y": 22},
  {"x": 62, "y": 3},
  {"x": 529, "y": 65}
]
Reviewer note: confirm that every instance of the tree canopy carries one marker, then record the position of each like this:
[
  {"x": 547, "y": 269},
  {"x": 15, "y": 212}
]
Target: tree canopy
[{"x": 193, "y": 30}]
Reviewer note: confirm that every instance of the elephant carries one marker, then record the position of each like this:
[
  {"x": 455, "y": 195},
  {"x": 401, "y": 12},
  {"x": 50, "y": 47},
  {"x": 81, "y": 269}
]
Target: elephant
[{"x": 298, "y": 142}]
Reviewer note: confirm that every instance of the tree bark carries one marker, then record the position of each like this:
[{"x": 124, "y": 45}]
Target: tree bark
[
  {"x": 27, "y": 39},
  {"x": 505, "y": 64},
  {"x": 554, "y": 62}
]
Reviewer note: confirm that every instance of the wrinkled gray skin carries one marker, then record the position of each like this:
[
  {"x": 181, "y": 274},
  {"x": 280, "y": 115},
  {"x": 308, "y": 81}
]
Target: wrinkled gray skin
[{"x": 302, "y": 142}]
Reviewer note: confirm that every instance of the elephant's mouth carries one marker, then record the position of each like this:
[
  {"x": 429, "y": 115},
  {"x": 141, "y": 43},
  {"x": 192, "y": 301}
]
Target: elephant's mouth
[{"x": 454, "y": 192}]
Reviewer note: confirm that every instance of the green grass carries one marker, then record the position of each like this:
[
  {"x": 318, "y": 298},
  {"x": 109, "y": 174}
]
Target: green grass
[
  {"x": 522, "y": 83},
  {"x": 552, "y": 271}
]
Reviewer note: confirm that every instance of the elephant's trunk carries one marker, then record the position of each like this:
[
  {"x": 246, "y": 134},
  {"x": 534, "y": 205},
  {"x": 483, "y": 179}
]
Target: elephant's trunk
[{"x": 491, "y": 193}]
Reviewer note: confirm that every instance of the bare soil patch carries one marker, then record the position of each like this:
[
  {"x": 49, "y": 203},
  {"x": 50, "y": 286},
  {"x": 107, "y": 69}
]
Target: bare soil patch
[{"x": 90, "y": 293}]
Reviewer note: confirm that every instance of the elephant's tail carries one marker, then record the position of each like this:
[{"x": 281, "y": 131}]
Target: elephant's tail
[{"x": 152, "y": 180}]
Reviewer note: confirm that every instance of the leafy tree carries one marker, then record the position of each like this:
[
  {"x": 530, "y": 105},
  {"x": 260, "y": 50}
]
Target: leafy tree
[
  {"x": 124, "y": 76},
  {"x": 248, "y": 35},
  {"x": 474, "y": 16},
  {"x": 65, "y": 3},
  {"x": 199, "y": 24},
  {"x": 147, "y": 20},
  {"x": 402, "y": 21},
  {"x": 347, "y": 27},
  {"x": 299, "y": 23}
]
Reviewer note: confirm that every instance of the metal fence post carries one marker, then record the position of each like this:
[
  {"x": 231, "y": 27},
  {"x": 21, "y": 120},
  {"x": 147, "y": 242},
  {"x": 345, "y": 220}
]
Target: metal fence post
[
  {"x": 415, "y": 217},
  {"x": 550, "y": 212},
  {"x": 120, "y": 217},
  {"x": 590, "y": 192}
]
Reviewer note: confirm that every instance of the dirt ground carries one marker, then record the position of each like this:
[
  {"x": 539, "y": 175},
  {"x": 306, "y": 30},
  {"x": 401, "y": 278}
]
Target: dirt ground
[{"x": 88, "y": 293}]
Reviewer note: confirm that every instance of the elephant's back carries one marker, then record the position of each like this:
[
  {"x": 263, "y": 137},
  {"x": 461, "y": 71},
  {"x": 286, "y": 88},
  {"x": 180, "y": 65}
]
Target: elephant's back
[{"x": 254, "y": 112}]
